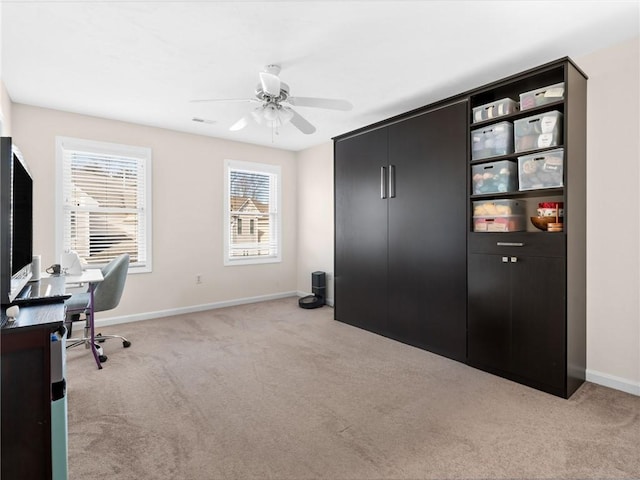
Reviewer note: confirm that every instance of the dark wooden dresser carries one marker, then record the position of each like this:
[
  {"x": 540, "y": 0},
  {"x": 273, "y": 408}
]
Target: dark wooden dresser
[{"x": 26, "y": 391}]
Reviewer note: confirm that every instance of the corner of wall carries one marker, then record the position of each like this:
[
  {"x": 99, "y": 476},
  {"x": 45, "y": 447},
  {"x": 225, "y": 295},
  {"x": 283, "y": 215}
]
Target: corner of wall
[
  {"x": 5, "y": 111},
  {"x": 315, "y": 215}
]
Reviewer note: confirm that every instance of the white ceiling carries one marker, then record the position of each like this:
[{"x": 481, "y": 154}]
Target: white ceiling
[{"x": 143, "y": 61}]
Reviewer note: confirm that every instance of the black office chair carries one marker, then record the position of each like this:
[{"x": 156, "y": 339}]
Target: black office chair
[{"x": 106, "y": 296}]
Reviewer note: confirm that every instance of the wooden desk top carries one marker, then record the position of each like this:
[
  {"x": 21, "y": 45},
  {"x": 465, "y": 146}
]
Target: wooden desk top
[
  {"x": 34, "y": 316},
  {"x": 37, "y": 316}
]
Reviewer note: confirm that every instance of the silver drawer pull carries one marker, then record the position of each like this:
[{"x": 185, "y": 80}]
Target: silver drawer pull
[{"x": 510, "y": 244}]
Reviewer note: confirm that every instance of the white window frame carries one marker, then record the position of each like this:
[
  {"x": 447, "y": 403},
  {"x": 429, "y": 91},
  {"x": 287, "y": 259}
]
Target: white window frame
[
  {"x": 275, "y": 212},
  {"x": 104, "y": 148}
]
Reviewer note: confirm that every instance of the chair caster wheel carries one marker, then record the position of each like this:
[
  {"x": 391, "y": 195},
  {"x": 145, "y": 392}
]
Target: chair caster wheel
[
  {"x": 102, "y": 358},
  {"x": 126, "y": 343},
  {"x": 98, "y": 338}
]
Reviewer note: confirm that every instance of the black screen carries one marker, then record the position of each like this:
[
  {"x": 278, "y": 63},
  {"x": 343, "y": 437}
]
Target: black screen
[{"x": 21, "y": 217}]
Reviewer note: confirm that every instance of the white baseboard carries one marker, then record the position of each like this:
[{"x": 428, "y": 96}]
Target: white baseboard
[
  {"x": 103, "y": 322},
  {"x": 611, "y": 381}
]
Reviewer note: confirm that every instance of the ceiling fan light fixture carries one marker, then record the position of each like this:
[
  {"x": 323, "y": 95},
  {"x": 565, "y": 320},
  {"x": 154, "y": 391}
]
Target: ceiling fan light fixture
[
  {"x": 270, "y": 112},
  {"x": 274, "y": 115}
]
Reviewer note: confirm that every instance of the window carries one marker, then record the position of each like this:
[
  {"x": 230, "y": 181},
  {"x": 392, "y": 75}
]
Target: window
[
  {"x": 104, "y": 202},
  {"x": 252, "y": 194}
]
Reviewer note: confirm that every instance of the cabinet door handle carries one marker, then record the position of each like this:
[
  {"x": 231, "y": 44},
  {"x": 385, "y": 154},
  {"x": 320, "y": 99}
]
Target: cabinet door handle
[
  {"x": 383, "y": 182},
  {"x": 392, "y": 181},
  {"x": 510, "y": 244}
]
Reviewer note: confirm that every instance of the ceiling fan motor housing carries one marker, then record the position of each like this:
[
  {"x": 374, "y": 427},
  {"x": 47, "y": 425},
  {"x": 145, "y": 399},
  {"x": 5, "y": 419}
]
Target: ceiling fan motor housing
[{"x": 265, "y": 97}]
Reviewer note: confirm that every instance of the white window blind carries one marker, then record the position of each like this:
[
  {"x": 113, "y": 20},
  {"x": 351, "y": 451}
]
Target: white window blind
[
  {"x": 105, "y": 202},
  {"x": 252, "y": 221}
]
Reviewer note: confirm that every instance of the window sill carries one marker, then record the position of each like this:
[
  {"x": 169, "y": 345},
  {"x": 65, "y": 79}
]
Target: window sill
[{"x": 251, "y": 261}]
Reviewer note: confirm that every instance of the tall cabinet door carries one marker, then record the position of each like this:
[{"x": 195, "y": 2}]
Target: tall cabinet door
[
  {"x": 427, "y": 230},
  {"x": 361, "y": 230},
  {"x": 538, "y": 331},
  {"x": 489, "y": 323}
]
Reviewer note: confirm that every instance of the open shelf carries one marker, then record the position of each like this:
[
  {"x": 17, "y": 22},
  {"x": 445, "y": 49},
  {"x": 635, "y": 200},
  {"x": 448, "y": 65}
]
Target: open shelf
[
  {"x": 558, "y": 105},
  {"x": 514, "y": 156}
]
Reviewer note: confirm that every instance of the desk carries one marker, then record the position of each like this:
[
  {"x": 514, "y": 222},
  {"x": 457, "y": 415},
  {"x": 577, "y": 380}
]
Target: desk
[
  {"x": 91, "y": 276},
  {"x": 74, "y": 283},
  {"x": 88, "y": 276}
]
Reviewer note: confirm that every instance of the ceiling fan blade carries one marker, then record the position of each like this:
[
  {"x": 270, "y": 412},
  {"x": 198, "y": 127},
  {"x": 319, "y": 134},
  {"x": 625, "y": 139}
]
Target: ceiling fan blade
[
  {"x": 240, "y": 124},
  {"x": 301, "y": 124},
  {"x": 270, "y": 83},
  {"x": 224, "y": 100},
  {"x": 330, "y": 103}
]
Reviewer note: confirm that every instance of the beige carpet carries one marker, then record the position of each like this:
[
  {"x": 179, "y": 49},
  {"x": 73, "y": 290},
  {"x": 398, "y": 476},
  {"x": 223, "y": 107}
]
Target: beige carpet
[{"x": 272, "y": 391}]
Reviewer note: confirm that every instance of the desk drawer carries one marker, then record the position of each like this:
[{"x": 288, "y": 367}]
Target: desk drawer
[{"x": 513, "y": 243}]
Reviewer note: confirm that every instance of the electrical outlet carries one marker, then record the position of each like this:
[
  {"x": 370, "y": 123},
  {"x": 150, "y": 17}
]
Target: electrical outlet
[{"x": 199, "y": 278}]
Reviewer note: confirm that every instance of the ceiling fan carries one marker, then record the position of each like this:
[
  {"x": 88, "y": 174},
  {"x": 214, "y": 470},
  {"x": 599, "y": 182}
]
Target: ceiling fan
[{"x": 274, "y": 109}]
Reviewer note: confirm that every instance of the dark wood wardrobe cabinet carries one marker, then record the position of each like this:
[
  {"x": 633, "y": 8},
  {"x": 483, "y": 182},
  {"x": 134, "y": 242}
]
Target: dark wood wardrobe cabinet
[
  {"x": 411, "y": 261},
  {"x": 400, "y": 212}
]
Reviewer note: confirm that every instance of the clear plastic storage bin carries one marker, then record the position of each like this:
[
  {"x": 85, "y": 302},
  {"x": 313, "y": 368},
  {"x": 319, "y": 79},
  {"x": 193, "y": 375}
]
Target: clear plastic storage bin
[
  {"x": 499, "y": 216},
  {"x": 541, "y": 170},
  {"x": 494, "y": 177},
  {"x": 538, "y": 131},
  {"x": 505, "y": 223},
  {"x": 542, "y": 96},
  {"x": 495, "y": 109},
  {"x": 492, "y": 141}
]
